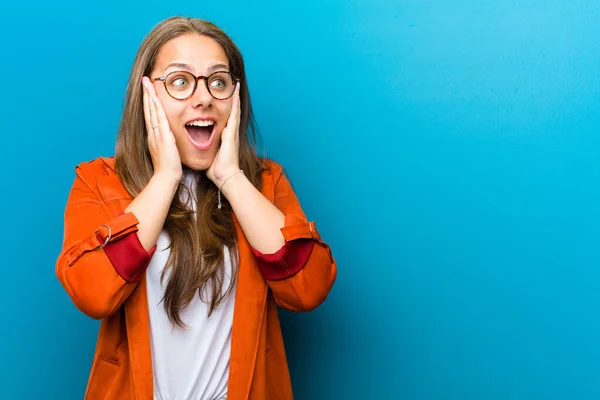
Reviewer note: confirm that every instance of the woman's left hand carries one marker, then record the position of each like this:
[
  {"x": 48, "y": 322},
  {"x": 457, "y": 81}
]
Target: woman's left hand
[{"x": 226, "y": 161}]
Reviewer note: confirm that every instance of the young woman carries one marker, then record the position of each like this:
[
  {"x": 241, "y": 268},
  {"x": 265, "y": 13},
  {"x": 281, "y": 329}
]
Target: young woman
[{"x": 186, "y": 241}]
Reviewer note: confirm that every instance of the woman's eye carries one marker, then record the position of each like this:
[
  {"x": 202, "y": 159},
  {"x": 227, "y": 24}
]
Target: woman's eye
[{"x": 179, "y": 82}]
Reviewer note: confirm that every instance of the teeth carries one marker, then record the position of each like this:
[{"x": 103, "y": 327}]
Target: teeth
[{"x": 201, "y": 123}]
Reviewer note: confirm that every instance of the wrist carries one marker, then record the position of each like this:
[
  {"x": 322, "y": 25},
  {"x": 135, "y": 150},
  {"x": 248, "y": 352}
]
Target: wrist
[
  {"x": 167, "y": 179},
  {"x": 226, "y": 186},
  {"x": 224, "y": 179}
]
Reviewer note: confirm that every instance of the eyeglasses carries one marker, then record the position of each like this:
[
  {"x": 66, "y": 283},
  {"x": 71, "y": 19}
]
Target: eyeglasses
[{"x": 181, "y": 85}]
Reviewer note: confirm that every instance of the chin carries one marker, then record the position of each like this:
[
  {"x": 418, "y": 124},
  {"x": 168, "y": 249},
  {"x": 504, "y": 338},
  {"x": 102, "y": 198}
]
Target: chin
[{"x": 198, "y": 164}]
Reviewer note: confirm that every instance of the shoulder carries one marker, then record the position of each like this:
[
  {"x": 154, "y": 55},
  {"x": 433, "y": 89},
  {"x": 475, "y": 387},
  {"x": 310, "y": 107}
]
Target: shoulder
[
  {"x": 98, "y": 166},
  {"x": 272, "y": 170},
  {"x": 275, "y": 180},
  {"x": 100, "y": 177}
]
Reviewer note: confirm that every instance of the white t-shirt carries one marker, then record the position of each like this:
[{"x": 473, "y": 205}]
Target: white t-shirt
[{"x": 189, "y": 363}]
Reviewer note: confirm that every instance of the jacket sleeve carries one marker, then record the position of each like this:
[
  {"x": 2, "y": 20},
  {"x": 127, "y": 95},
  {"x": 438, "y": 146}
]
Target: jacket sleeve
[
  {"x": 102, "y": 258},
  {"x": 302, "y": 273}
]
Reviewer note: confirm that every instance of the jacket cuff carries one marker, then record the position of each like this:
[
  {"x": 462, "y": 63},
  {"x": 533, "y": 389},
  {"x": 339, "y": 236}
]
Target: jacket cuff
[
  {"x": 286, "y": 262},
  {"x": 128, "y": 256},
  {"x": 125, "y": 251}
]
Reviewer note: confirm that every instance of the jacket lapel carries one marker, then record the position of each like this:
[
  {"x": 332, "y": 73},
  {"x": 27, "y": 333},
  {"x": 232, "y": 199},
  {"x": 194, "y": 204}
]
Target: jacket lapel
[
  {"x": 250, "y": 306},
  {"x": 138, "y": 329}
]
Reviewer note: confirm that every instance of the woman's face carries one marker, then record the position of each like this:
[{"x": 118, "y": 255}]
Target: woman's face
[{"x": 196, "y": 122}]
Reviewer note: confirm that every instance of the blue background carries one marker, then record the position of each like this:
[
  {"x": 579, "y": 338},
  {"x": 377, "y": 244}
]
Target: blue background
[{"x": 448, "y": 151}]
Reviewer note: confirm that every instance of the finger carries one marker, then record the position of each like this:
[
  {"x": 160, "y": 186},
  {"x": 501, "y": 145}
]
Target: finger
[
  {"x": 161, "y": 116},
  {"x": 152, "y": 108},
  {"x": 236, "y": 103},
  {"x": 145, "y": 100},
  {"x": 233, "y": 122}
]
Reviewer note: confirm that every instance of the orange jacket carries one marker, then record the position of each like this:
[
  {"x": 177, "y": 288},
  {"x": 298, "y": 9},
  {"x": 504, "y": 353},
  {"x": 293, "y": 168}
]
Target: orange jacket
[{"x": 122, "y": 367}]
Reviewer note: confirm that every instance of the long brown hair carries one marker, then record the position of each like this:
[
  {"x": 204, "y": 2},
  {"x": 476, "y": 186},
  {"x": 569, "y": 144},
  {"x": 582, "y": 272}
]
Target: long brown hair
[{"x": 196, "y": 260}]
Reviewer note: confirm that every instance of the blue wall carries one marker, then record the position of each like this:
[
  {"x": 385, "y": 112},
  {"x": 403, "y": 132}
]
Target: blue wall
[{"x": 448, "y": 151}]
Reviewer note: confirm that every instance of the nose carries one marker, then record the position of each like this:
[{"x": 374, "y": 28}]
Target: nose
[{"x": 201, "y": 97}]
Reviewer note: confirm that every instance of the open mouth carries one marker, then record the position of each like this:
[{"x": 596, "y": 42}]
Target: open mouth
[{"x": 201, "y": 133}]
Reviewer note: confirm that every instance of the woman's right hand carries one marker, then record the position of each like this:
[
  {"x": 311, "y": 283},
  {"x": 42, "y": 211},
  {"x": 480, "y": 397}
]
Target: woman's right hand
[
  {"x": 151, "y": 205},
  {"x": 161, "y": 142}
]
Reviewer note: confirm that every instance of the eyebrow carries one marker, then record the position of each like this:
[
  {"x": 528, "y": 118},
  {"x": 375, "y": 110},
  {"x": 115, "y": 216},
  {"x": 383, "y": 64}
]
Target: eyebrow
[
  {"x": 179, "y": 65},
  {"x": 212, "y": 68},
  {"x": 218, "y": 67}
]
